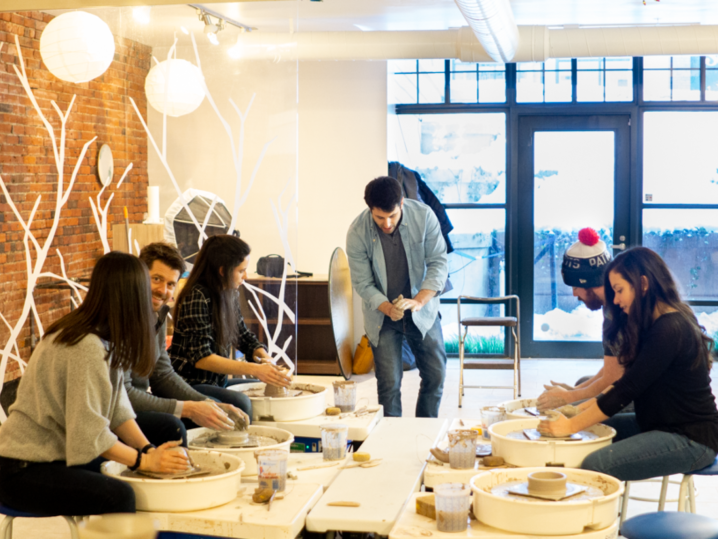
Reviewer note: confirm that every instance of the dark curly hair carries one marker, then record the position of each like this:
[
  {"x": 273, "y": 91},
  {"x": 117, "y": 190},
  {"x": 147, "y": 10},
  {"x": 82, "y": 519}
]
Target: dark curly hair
[{"x": 384, "y": 193}]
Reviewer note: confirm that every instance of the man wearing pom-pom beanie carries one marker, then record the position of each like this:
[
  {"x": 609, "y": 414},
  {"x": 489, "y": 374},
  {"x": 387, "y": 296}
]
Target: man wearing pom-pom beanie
[{"x": 582, "y": 269}]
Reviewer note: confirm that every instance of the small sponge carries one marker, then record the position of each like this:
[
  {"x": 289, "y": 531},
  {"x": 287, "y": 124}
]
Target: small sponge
[
  {"x": 426, "y": 506},
  {"x": 493, "y": 461},
  {"x": 333, "y": 411},
  {"x": 362, "y": 457}
]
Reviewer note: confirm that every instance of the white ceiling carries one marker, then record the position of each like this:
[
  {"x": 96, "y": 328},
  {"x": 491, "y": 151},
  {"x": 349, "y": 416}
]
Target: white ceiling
[{"x": 395, "y": 15}]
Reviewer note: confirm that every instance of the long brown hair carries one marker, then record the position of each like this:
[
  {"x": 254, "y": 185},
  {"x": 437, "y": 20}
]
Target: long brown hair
[
  {"x": 214, "y": 264},
  {"x": 625, "y": 331},
  {"x": 118, "y": 309}
]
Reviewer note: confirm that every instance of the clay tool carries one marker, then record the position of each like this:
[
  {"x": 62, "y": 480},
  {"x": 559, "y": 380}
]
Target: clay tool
[
  {"x": 263, "y": 495},
  {"x": 344, "y": 504},
  {"x": 533, "y": 411},
  {"x": 318, "y": 466},
  {"x": 442, "y": 455}
]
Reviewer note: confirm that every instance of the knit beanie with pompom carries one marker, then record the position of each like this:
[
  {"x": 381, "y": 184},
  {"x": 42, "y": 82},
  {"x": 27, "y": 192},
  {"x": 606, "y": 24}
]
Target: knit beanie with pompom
[{"x": 585, "y": 260}]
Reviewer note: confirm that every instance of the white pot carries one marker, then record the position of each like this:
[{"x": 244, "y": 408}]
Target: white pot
[
  {"x": 286, "y": 408},
  {"x": 514, "y": 408},
  {"x": 284, "y": 437},
  {"x": 541, "y": 453},
  {"x": 192, "y": 494},
  {"x": 535, "y": 517}
]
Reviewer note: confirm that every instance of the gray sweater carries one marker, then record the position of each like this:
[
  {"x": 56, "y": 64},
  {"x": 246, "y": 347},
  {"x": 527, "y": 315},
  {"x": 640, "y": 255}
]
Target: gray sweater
[
  {"x": 68, "y": 403},
  {"x": 168, "y": 387}
]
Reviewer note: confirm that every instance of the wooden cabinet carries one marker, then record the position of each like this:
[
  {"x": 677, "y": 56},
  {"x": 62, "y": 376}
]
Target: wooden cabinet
[{"x": 312, "y": 347}]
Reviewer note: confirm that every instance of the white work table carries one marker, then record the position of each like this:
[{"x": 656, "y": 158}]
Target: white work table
[
  {"x": 409, "y": 525},
  {"x": 403, "y": 445},
  {"x": 437, "y": 472},
  {"x": 359, "y": 427},
  {"x": 240, "y": 518}
]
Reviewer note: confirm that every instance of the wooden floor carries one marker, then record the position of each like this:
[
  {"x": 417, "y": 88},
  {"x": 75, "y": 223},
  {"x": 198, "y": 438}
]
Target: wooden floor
[{"x": 535, "y": 372}]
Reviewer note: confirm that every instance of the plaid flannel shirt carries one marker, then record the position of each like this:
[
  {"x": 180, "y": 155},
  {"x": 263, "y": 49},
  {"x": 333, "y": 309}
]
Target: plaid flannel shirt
[{"x": 194, "y": 339}]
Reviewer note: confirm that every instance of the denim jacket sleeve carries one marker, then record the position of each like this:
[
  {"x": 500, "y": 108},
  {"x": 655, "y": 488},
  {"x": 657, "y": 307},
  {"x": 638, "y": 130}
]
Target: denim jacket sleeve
[
  {"x": 437, "y": 266},
  {"x": 360, "y": 263}
]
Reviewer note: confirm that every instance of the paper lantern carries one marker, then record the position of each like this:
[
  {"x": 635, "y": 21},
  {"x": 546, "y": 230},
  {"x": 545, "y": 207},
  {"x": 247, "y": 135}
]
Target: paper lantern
[
  {"x": 175, "y": 87},
  {"x": 77, "y": 46}
]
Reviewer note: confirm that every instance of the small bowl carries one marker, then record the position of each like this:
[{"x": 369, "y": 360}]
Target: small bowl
[
  {"x": 544, "y": 482},
  {"x": 119, "y": 526},
  {"x": 231, "y": 437}
]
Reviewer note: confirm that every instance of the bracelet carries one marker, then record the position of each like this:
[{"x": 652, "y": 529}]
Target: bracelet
[
  {"x": 137, "y": 462},
  {"x": 146, "y": 448}
]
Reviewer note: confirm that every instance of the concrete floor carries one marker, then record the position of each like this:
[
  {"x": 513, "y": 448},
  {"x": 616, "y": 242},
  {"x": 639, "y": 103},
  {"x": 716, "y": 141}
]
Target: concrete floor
[{"x": 535, "y": 372}]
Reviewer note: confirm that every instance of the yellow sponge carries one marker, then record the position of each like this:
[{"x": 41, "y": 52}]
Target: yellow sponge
[
  {"x": 362, "y": 457},
  {"x": 426, "y": 506},
  {"x": 333, "y": 411}
]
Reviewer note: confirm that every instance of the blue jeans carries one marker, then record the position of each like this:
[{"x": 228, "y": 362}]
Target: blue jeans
[
  {"x": 636, "y": 455},
  {"x": 430, "y": 358},
  {"x": 227, "y": 396}
]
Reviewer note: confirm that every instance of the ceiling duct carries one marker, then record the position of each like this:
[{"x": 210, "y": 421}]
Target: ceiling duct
[{"x": 493, "y": 24}]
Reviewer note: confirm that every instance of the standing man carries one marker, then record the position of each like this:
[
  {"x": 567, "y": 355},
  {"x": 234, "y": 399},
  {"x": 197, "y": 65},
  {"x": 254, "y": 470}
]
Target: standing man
[
  {"x": 582, "y": 269},
  {"x": 170, "y": 393},
  {"x": 398, "y": 266}
]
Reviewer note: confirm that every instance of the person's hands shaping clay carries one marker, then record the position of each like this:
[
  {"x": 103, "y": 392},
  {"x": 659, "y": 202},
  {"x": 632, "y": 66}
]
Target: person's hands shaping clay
[
  {"x": 407, "y": 304},
  {"x": 555, "y": 425},
  {"x": 555, "y": 395},
  {"x": 569, "y": 410}
]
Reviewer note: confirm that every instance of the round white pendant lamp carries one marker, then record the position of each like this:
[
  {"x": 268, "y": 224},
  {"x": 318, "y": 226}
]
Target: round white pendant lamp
[
  {"x": 77, "y": 46},
  {"x": 175, "y": 87}
]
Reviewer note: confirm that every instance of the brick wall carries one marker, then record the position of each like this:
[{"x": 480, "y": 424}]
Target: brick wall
[{"x": 102, "y": 108}]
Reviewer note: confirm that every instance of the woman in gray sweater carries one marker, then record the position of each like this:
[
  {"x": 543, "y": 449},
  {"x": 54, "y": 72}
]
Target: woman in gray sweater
[{"x": 72, "y": 407}]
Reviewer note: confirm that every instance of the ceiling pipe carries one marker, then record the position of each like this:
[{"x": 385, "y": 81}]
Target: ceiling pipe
[
  {"x": 493, "y": 24},
  {"x": 536, "y": 44}
]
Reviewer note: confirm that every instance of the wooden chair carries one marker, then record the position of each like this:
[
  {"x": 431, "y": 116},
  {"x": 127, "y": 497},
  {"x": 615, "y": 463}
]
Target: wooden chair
[{"x": 501, "y": 363}]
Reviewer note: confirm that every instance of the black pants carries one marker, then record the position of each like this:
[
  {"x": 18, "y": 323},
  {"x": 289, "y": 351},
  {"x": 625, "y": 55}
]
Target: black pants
[
  {"x": 160, "y": 428},
  {"x": 53, "y": 488}
]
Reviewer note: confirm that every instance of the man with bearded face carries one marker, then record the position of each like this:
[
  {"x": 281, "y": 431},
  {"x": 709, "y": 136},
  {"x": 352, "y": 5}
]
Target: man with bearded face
[
  {"x": 582, "y": 270},
  {"x": 172, "y": 401}
]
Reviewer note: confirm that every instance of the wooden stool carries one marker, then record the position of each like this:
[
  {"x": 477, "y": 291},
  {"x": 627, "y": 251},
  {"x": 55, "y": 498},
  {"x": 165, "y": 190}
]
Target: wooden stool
[
  {"x": 12, "y": 514},
  {"x": 501, "y": 363}
]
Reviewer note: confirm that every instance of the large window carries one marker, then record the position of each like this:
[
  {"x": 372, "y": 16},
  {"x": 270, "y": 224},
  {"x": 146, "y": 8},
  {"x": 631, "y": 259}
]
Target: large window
[{"x": 462, "y": 158}]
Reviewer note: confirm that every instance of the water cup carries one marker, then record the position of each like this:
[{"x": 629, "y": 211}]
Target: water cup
[
  {"x": 489, "y": 416},
  {"x": 334, "y": 441},
  {"x": 345, "y": 395},
  {"x": 452, "y": 506},
  {"x": 462, "y": 448},
  {"x": 272, "y": 466}
]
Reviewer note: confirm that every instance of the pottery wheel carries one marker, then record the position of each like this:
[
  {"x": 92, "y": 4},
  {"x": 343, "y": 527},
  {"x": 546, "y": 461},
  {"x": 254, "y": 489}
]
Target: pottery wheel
[
  {"x": 210, "y": 441},
  {"x": 586, "y": 436},
  {"x": 259, "y": 393},
  {"x": 571, "y": 490}
]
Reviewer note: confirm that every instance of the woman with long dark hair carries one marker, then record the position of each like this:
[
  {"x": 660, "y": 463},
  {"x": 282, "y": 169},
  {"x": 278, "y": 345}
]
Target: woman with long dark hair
[
  {"x": 72, "y": 407},
  {"x": 667, "y": 360},
  {"x": 208, "y": 323}
]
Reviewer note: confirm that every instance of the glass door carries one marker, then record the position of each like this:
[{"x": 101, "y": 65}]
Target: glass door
[{"x": 573, "y": 173}]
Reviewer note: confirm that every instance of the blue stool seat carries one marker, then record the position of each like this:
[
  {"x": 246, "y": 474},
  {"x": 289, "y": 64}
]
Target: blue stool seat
[
  {"x": 664, "y": 525},
  {"x": 708, "y": 470},
  {"x": 7, "y": 511}
]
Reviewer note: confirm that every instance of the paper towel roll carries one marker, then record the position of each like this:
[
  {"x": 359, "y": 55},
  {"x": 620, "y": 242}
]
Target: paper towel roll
[{"x": 153, "y": 204}]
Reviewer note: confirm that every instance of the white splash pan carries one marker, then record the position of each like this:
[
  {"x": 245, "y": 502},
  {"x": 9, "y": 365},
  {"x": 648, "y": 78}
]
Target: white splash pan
[
  {"x": 513, "y": 408},
  {"x": 246, "y": 455},
  {"x": 179, "y": 495},
  {"x": 286, "y": 408},
  {"x": 541, "y": 453},
  {"x": 534, "y": 517}
]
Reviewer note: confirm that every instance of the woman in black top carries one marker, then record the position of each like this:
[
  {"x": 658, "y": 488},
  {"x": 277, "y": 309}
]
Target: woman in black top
[
  {"x": 666, "y": 356},
  {"x": 208, "y": 322}
]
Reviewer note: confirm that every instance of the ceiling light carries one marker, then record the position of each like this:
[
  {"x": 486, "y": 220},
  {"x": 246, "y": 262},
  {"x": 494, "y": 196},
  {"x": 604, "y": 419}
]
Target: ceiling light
[
  {"x": 212, "y": 38},
  {"x": 211, "y": 29},
  {"x": 142, "y": 14}
]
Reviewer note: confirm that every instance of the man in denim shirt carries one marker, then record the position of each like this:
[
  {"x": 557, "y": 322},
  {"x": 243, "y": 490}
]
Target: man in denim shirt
[{"x": 398, "y": 263}]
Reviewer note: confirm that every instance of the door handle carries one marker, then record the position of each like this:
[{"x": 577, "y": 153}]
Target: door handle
[{"x": 620, "y": 247}]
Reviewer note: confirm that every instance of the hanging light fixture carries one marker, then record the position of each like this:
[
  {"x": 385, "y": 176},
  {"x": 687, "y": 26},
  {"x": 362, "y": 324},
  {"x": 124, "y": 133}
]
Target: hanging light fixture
[
  {"x": 175, "y": 87},
  {"x": 77, "y": 46},
  {"x": 211, "y": 29}
]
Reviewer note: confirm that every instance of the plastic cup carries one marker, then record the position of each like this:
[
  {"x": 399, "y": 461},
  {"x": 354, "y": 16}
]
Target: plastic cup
[
  {"x": 489, "y": 416},
  {"x": 452, "y": 506},
  {"x": 345, "y": 395},
  {"x": 462, "y": 448},
  {"x": 334, "y": 441},
  {"x": 272, "y": 468}
]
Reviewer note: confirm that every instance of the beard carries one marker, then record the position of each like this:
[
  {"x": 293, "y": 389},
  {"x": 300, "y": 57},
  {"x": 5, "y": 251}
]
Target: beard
[{"x": 592, "y": 301}]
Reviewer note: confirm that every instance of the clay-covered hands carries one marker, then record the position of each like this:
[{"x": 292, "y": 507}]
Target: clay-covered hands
[
  {"x": 390, "y": 310},
  {"x": 165, "y": 460},
  {"x": 271, "y": 374},
  {"x": 554, "y": 396},
  {"x": 240, "y": 419},
  {"x": 569, "y": 410},
  {"x": 556, "y": 425},
  {"x": 405, "y": 304},
  {"x": 207, "y": 414}
]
